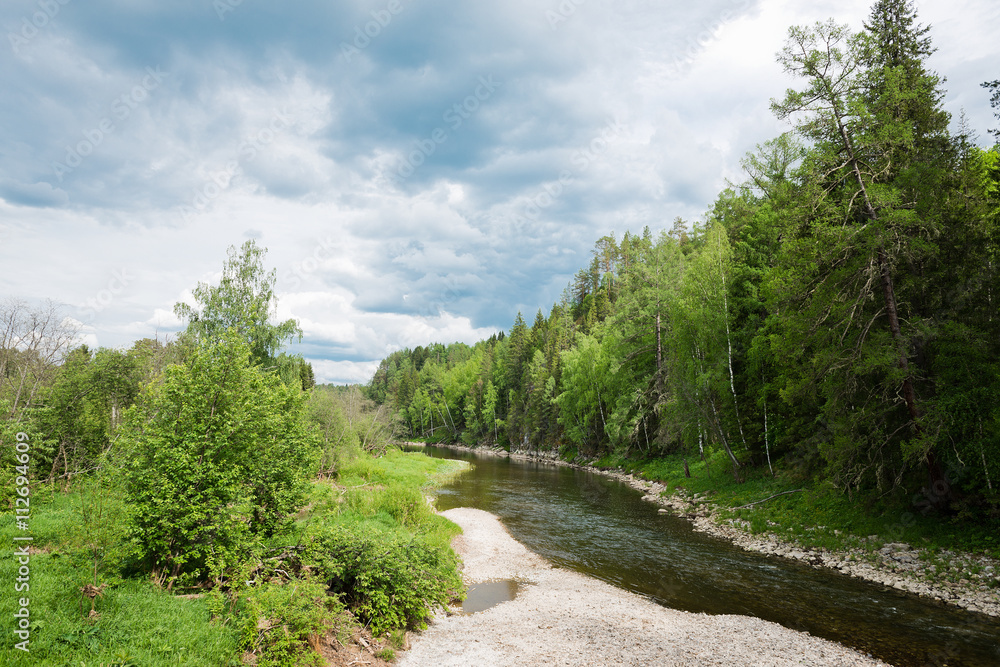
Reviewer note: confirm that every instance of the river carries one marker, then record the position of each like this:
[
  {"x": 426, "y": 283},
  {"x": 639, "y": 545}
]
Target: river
[{"x": 596, "y": 525}]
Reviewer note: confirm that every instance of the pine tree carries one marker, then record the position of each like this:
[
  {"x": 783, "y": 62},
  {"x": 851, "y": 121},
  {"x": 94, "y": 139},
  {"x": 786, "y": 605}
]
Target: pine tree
[{"x": 871, "y": 129}]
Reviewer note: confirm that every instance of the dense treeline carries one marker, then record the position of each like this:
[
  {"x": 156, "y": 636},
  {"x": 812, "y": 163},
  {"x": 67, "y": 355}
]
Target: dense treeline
[{"x": 835, "y": 314}]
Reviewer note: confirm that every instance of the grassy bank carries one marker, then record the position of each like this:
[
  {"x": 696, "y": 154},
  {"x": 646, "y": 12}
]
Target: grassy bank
[
  {"x": 366, "y": 552},
  {"x": 815, "y": 513}
]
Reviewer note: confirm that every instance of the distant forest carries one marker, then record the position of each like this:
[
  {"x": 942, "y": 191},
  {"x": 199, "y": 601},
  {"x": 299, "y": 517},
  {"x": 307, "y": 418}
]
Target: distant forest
[{"x": 835, "y": 314}]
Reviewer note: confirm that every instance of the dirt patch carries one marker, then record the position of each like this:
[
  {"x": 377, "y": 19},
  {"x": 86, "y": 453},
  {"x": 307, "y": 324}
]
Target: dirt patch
[
  {"x": 561, "y": 617},
  {"x": 359, "y": 649}
]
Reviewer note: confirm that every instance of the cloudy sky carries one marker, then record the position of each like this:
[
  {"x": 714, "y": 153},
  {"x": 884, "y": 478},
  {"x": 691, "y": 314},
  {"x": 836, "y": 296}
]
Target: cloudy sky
[{"x": 418, "y": 170}]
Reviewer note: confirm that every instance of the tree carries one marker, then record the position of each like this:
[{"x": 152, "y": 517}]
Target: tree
[
  {"x": 699, "y": 356},
  {"x": 34, "y": 340},
  {"x": 295, "y": 371},
  {"x": 994, "y": 87},
  {"x": 769, "y": 166},
  {"x": 636, "y": 334},
  {"x": 83, "y": 407},
  {"x": 582, "y": 403},
  {"x": 244, "y": 301},
  {"x": 214, "y": 460},
  {"x": 867, "y": 126}
]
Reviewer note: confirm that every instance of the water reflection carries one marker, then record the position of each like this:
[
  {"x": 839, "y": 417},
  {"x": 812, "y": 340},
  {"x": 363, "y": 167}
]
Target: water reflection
[
  {"x": 488, "y": 594},
  {"x": 598, "y": 526}
]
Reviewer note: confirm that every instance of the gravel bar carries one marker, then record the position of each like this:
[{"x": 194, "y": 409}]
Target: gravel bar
[{"x": 561, "y": 617}]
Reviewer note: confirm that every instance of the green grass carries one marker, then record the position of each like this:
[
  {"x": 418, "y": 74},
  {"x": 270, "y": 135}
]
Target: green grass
[
  {"x": 373, "y": 534},
  {"x": 376, "y": 509},
  {"x": 385, "y": 495},
  {"x": 137, "y": 623}
]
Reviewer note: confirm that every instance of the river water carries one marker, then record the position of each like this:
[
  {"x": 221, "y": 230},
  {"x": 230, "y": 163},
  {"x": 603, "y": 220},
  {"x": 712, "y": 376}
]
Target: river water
[{"x": 596, "y": 525}]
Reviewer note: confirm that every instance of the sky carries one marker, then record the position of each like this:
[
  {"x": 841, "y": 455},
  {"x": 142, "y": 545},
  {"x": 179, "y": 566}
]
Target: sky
[{"x": 418, "y": 170}]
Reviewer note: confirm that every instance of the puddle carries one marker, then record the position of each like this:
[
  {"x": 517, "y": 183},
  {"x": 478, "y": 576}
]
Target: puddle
[{"x": 480, "y": 597}]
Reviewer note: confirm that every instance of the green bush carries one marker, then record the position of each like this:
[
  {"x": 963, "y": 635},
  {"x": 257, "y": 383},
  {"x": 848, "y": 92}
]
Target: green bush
[
  {"x": 387, "y": 579},
  {"x": 280, "y": 623},
  {"x": 215, "y": 459}
]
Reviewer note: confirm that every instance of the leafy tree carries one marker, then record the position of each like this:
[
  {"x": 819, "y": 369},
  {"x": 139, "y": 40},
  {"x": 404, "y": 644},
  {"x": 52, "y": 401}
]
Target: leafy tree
[
  {"x": 700, "y": 353},
  {"x": 584, "y": 401},
  {"x": 295, "y": 371},
  {"x": 903, "y": 95},
  {"x": 214, "y": 459},
  {"x": 84, "y": 406},
  {"x": 636, "y": 335},
  {"x": 243, "y": 301}
]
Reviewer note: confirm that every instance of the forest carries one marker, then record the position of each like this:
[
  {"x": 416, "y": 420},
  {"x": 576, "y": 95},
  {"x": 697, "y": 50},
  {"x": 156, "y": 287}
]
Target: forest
[
  {"x": 831, "y": 320},
  {"x": 833, "y": 315}
]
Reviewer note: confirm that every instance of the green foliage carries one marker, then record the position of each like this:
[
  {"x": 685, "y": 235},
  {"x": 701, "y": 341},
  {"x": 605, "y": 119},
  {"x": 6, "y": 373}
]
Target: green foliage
[
  {"x": 280, "y": 623},
  {"x": 348, "y": 423},
  {"x": 586, "y": 368},
  {"x": 834, "y": 316},
  {"x": 214, "y": 459},
  {"x": 295, "y": 371},
  {"x": 97, "y": 533},
  {"x": 83, "y": 409},
  {"x": 373, "y": 539},
  {"x": 388, "y": 579},
  {"x": 243, "y": 302}
]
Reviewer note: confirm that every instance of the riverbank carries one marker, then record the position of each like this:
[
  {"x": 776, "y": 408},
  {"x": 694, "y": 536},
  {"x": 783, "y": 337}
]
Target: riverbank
[
  {"x": 963, "y": 580},
  {"x": 565, "y": 618}
]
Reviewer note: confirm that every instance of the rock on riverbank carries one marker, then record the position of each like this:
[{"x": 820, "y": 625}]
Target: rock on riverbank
[{"x": 561, "y": 617}]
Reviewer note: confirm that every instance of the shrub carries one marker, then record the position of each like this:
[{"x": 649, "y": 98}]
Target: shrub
[
  {"x": 215, "y": 458},
  {"x": 282, "y": 625},
  {"x": 389, "y": 581}
]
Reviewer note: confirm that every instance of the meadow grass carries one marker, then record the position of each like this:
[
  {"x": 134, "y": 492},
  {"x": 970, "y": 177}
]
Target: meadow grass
[
  {"x": 136, "y": 623},
  {"x": 376, "y": 506}
]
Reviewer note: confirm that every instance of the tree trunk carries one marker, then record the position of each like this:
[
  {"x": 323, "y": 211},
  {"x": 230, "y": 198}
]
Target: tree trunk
[
  {"x": 729, "y": 345},
  {"x": 725, "y": 442},
  {"x": 767, "y": 443}
]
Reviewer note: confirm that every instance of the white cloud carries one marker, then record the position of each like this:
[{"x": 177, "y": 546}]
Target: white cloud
[{"x": 370, "y": 264}]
